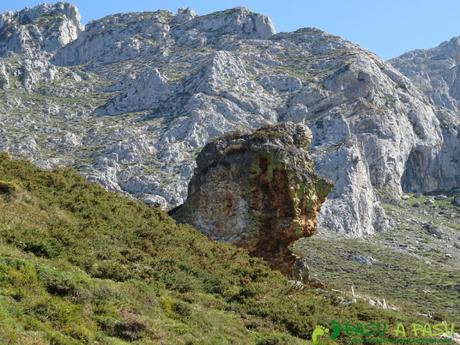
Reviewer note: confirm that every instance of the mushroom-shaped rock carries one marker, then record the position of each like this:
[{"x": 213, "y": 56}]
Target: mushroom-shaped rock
[{"x": 257, "y": 191}]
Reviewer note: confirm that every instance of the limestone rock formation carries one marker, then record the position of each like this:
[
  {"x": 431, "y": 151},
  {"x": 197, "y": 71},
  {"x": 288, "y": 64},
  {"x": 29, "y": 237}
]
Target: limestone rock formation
[
  {"x": 43, "y": 28},
  {"x": 147, "y": 91},
  {"x": 436, "y": 72},
  {"x": 4, "y": 78},
  {"x": 257, "y": 191},
  {"x": 30, "y": 37},
  {"x": 124, "y": 36}
]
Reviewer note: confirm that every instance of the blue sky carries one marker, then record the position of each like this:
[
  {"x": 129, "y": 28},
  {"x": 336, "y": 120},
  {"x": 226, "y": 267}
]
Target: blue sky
[{"x": 386, "y": 27}]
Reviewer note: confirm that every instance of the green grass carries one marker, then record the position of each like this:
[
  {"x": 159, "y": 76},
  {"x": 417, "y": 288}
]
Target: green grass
[
  {"x": 403, "y": 280},
  {"x": 79, "y": 265},
  {"x": 414, "y": 270}
]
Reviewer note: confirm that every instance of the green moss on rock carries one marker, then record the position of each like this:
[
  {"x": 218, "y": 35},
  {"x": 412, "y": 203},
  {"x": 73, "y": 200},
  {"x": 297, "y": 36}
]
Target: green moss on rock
[{"x": 262, "y": 196}]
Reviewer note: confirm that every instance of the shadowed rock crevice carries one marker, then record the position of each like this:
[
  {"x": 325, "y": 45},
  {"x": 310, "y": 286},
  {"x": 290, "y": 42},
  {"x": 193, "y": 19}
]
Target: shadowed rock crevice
[
  {"x": 429, "y": 171},
  {"x": 416, "y": 168},
  {"x": 257, "y": 191}
]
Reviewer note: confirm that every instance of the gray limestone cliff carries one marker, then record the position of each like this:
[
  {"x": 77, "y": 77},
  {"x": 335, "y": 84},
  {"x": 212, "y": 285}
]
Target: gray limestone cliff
[
  {"x": 436, "y": 73},
  {"x": 44, "y": 28}
]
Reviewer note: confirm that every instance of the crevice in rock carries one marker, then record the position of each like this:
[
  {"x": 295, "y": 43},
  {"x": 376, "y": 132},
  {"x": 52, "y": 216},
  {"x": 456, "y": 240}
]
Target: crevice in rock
[{"x": 416, "y": 166}]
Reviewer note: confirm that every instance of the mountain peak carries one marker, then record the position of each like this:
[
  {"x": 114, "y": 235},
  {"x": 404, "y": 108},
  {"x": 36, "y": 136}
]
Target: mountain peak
[
  {"x": 45, "y": 27},
  {"x": 125, "y": 36},
  {"x": 241, "y": 21},
  {"x": 30, "y": 14}
]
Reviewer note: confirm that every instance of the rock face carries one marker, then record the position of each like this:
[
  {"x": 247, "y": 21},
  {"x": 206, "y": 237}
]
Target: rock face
[
  {"x": 257, "y": 191},
  {"x": 43, "y": 28},
  {"x": 132, "y": 99},
  {"x": 436, "y": 72},
  {"x": 35, "y": 34},
  {"x": 147, "y": 91},
  {"x": 124, "y": 36}
]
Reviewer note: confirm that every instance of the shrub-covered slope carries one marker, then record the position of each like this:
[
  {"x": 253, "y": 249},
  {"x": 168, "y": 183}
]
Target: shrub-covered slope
[{"x": 79, "y": 265}]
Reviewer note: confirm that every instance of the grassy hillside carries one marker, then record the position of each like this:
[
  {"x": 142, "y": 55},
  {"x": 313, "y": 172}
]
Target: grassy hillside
[
  {"x": 79, "y": 265},
  {"x": 415, "y": 265}
]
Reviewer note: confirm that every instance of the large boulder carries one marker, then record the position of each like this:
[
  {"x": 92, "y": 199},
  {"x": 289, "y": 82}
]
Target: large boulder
[{"x": 257, "y": 191}]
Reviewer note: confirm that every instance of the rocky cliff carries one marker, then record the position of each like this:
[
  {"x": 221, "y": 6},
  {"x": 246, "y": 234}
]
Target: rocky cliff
[
  {"x": 38, "y": 30},
  {"x": 436, "y": 72},
  {"x": 257, "y": 191},
  {"x": 30, "y": 38},
  {"x": 131, "y": 100}
]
